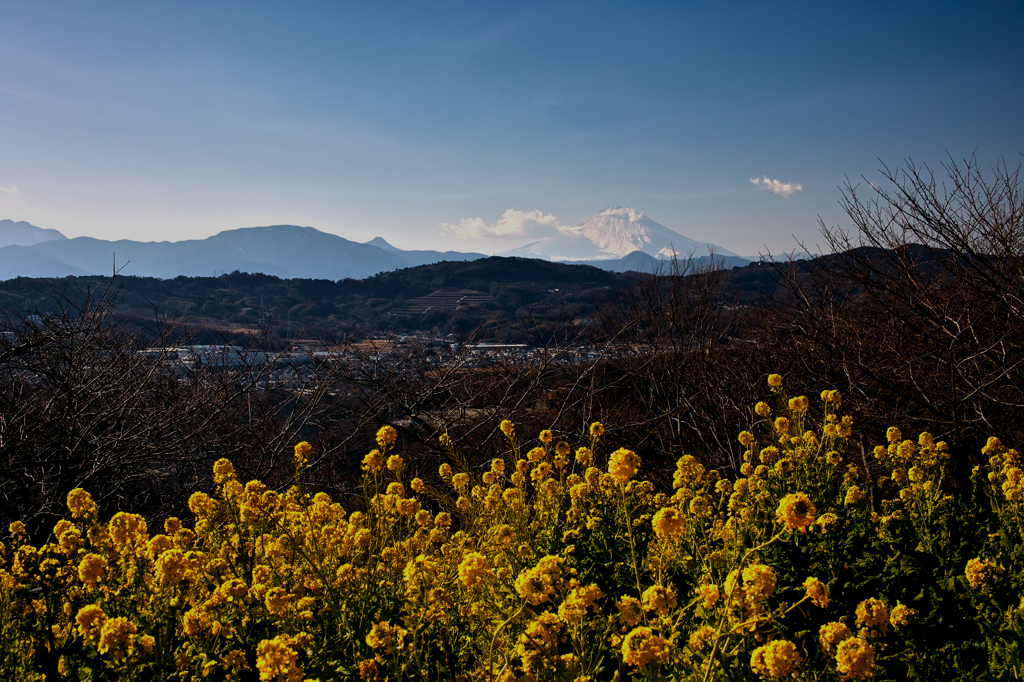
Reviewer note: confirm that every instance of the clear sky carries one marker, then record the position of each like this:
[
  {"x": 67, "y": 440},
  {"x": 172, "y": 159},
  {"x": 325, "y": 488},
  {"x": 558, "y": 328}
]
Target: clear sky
[{"x": 176, "y": 120}]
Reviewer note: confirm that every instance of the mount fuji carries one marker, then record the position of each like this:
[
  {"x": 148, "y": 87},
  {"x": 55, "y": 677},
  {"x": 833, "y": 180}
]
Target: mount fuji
[{"x": 613, "y": 234}]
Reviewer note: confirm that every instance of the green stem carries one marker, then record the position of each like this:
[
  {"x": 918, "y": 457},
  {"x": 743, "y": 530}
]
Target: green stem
[{"x": 494, "y": 639}]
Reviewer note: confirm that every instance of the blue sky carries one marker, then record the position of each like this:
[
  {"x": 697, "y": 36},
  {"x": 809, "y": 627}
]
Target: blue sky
[{"x": 176, "y": 120}]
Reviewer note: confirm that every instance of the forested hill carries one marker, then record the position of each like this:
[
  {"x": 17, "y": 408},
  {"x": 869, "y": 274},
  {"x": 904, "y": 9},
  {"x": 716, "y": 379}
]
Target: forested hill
[
  {"x": 469, "y": 293},
  {"x": 442, "y": 297}
]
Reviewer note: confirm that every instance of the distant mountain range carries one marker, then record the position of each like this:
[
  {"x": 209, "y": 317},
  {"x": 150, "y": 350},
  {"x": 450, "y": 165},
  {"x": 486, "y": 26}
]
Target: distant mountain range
[
  {"x": 285, "y": 251},
  {"x": 25, "y": 234},
  {"x": 617, "y": 239}
]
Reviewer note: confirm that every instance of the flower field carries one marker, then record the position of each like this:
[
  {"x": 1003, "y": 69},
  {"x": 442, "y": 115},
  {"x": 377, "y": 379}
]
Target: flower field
[{"x": 555, "y": 562}]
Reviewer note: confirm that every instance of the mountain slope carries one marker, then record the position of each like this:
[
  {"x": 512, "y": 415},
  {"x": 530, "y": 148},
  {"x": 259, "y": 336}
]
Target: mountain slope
[
  {"x": 621, "y": 230},
  {"x": 22, "y": 233},
  {"x": 286, "y": 251}
]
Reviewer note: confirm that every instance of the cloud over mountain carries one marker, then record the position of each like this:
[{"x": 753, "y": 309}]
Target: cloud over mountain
[{"x": 513, "y": 224}]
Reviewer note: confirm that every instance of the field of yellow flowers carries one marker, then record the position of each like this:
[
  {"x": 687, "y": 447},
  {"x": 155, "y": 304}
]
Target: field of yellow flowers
[{"x": 551, "y": 564}]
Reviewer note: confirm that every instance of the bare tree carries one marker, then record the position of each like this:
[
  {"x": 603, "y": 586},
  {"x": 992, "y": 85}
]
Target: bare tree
[
  {"x": 919, "y": 308},
  {"x": 85, "y": 401}
]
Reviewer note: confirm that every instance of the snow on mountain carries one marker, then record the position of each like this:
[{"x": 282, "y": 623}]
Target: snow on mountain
[{"x": 616, "y": 232}]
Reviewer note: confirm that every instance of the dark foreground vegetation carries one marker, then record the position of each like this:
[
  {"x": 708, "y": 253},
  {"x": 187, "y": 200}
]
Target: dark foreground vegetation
[{"x": 915, "y": 318}]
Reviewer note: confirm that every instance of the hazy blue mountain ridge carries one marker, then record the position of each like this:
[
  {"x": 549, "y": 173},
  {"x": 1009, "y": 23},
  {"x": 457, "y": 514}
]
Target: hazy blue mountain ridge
[
  {"x": 25, "y": 234},
  {"x": 285, "y": 251}
]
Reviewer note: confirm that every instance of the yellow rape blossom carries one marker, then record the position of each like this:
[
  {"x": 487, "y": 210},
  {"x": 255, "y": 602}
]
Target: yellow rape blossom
[
  {"x": 832, "y": 634},
  {"x": 386, "y": 436},
  {"x": 630, "y": 611},
  {"x": 373, "y": 461},
  {"x": 171, "y": 567},
  {"x": 277, "y": 661},
  {"x": 978, "y": 571},
  {"x": 641, "y": 647},
  {"x": 116, "y": 636},
  {"x": 855, "y": 658},
  {"x": 623, "y": 465},
  {"x": 799, "y": 404},
  {"x": 81, "y": 504},
  {"x": 668, "y": 523},
  {"x": 873, "y": 616},
  {"x": 900, "y": 616},
  {"x": 758, "y": 581},
  {"x": 659, "y": 598},
  {"x": 302, "y": 452},
  {"x": 775, "y": 659},
  {"x": 276, "y": 600},
  {"x": 127, "y": 530},
  {"x": 90, "y": 620},
  {"x": 385, "y": 637},
  {"x": 817, "y": 591},
  {"x": 224, "y": 470},
  {"x": 538, "y": 584},
  {"x": 701, "y": 637},
  {"x": 709, "y": 595},
  {"x": 473, "y": 568},
  {"x": 578, "y": 601},
  {"x": 796, "y": 511},
  {"x": 91, "y": 569}
]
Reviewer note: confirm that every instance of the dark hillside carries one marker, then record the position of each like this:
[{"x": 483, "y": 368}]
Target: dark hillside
[{"x": 323, "y": 308}]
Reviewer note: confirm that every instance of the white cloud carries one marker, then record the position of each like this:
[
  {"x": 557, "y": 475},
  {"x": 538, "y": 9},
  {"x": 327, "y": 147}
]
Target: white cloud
[
  {"x": 784, "y": 189},
  {"x": 513, "y": 224},
  {"x": 9, "y": 190}
]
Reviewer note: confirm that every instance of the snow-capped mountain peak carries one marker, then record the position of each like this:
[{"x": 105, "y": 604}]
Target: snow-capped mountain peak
[{"x": 618, "y": 231}]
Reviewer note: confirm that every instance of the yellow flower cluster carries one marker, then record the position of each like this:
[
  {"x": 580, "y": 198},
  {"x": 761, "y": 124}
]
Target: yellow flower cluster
[
  {"x": 873, "y": 616},
  {"x": 855, "y": 658},
  {"x": 641, "y": 647},
  {"x": 979, "y": 572},
  {"x": 529, "y": 564},
  {"x": 775, "y": 659},
  {"x": 796, "y": 511},
  {"x": 623, "y": 465},
  {"x": 474, "y": 568},
  {"x": 668, "y": 522},
  {"x": 541, "y": 582},
  {"x": 900, "y": 616},
  {"x": 817, "y": 591}
]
